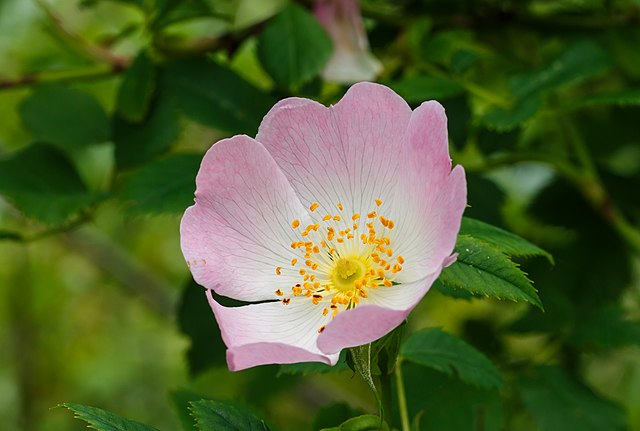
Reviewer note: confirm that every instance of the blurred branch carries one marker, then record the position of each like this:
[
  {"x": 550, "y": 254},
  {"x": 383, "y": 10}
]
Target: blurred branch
[
  {"x": 584, "y": 178},
  {"x": 228, "y": 42},
  {"x": 119, "y": 264},
  {"x": 88, "y": 73},
  {"x": 80, "y": 45},
  {"x": 66, "y": 227}
]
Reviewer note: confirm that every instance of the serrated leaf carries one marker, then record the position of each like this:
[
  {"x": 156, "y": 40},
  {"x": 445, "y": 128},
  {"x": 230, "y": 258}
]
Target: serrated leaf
[
  {"x": 580, "y": 61},
  {"x": 293, "y": 48},
  {"x": 446, "y": 353},
  {"x": 181, "y": 399},
  {"x": 165, "y": 186},
  {"x": 507, "y": 242},
  {"x": 483, "y": 270},
  {"x": 102, "y": 420},
  {"x": 361, "y": 423},
  {"x": 417, "y": 89},
  {"x": 556, "y": 402},
  {"x": 43, "y": 183},
  {"x": 136, "y": 89},
  {"x": 215, "y": 96},
  {"x": 451, "y": 291},
  {"x": 137, "y": 143},
  {"x": 65, "y": 117},
  {"x": 220, "y": 416},
  {"x": 504, "y": 120},
  {"x": 619, "y": 98}
]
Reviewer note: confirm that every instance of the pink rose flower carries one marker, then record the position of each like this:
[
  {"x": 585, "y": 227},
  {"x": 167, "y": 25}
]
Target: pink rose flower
[
  {"x": 337, "y": 220},
  {"x": 352, "y": 60}
]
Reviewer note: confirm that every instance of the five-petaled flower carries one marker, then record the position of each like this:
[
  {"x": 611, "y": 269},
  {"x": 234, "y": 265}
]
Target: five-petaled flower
[{"x": 334, "y": 222}]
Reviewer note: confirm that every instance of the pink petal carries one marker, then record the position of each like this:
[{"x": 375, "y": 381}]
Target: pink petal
[
  {"x": 351, "y": 60},
  {"x": 239, "y": 231},
  {"x": 381, "y": 313},
  {"x": 371, "y": 146},
  {"x": 428, "y": 226},
  {"x": 271, "y": 333},
  {"x": 343, "y": 153}
]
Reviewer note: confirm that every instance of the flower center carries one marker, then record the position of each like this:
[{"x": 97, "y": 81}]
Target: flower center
[
  {"x": 346, "y": 273},
  {"x": 340, "y": 259}
]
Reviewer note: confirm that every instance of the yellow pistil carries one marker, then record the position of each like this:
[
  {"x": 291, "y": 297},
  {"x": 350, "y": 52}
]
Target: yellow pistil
[{"x": 336, "y": 266}]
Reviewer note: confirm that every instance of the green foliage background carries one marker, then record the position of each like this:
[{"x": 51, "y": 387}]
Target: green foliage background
[{"x": 107, "y": 106}]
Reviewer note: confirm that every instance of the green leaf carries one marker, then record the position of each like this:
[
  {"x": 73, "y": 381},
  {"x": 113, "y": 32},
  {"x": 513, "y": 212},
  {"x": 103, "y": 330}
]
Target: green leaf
[
  {"x": 361, "y": 423},
  {"x": 165, "y": 186},
  {"x": 7, "y": 235},
  {"x": 437, "y": 401},
  {"x": 310, "y": 368},
  {"x": 417, "y": 89},
  {"x": 556, "y": 402},
  {"x": 43, "y": 183},
  {"x": 483, "y": 270},
  {"x": 446, "y": 353},
  {"x": 136, "y": 89},
  {"x": 219, "y": 416},
  {"x": 293, "y": 48},
  {"x": 606, "y": 328},
  {"x": 504, "y": 120},
  {"x": 506, "y": 242},
  {"x": 623, "y": 98},
  {"x": 215, "y": 96},
  {"x": 65, "y": 117},
  {"x": 102, "y": 420},
  {"x": 181, "y": 400},
  {"x": 333, "y": 414},
  {"x": 579, "y": 62},
  {"x": 141, "y": 142},
  {"x": 173, "y": 11},
  {"x": 196, "y": 321}
]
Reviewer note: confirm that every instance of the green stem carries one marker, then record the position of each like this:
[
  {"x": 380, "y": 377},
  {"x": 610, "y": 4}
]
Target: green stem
[
  {"x": 97, "y": 71},
  {"x": 471, "y": 87},
  {"x": 402, "y": 397}
]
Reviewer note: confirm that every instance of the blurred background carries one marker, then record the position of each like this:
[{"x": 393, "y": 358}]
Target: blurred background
[{"x": 106, "y": 108}]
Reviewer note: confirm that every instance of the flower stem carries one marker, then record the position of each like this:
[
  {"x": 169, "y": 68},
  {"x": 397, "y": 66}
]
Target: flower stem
[{"x": 402, "y": 398}]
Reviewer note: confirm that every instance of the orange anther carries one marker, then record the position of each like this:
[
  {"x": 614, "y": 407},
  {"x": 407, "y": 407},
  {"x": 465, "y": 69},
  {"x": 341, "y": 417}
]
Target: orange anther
[
  {"x": 372, "y": 214},
  {"x": 279, "y": 270},
  {"x": 314, "y": 206},
  {"x": 294, "y": 261},
  {"x": 286, "y": 301},
  {"x": 400, "y": 260},
  {"x": 378, "y": 202},
  {"x": 337, "y": 218},
  {"x": 339, "y": 206},
  {"x": 326, "y": 218},
  {"x": 387, "y": 283},
  {"x": 279, "y": 292},
  {"x": 355, "y": 217},
  {"x": 295, "y": 223}
]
